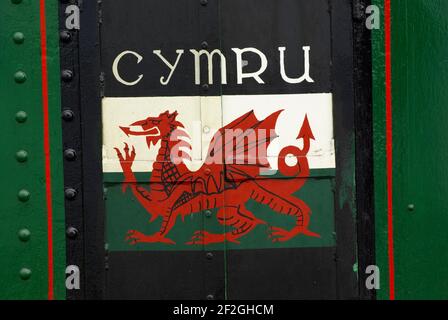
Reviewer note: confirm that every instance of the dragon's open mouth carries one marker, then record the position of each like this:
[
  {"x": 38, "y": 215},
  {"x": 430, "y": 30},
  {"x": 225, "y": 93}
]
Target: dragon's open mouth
[{"x": 154, "y": 131}]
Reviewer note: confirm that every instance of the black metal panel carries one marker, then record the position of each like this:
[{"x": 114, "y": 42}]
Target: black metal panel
[
  {"x": 317, "y": 272},
  {"x": 306, "y": 273},
  {"x": 90, "y": 103},
  {"x": 165, "y": 275},
  {"x": 344, "y": 113},
  {"x": 364, "y": 144}
]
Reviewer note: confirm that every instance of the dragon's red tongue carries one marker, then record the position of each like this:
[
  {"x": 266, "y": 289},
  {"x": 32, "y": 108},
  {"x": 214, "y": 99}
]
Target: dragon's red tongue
[{"x": 130, "y": 132}]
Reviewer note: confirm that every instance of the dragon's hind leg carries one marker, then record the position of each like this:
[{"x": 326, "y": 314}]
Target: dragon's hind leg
[
  {"x": 298, "y": 209},
  {"x": 239, "y": 218},
  {"x": 287, "y": 205}
]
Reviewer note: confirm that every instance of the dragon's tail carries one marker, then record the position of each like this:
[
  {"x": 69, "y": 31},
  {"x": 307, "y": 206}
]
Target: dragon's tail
[{"x": 300, "y": 169}]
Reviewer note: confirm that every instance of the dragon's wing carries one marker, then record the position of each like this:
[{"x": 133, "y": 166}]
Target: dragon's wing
[{"x": 239, "y": 149}]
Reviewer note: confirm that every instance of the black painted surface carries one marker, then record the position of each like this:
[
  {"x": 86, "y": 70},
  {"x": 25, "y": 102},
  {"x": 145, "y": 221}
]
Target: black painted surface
[
  {"x": 364, "y": 145},
  {"x": 344, "y": 122},
  {"x": 164, "y": 275},
  {"x": 305, "y": 273},
  {"x": 90, "y": 103}
]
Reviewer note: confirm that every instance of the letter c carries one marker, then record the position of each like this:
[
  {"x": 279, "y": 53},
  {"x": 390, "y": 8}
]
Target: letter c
[{"x": 115, "y": 68}]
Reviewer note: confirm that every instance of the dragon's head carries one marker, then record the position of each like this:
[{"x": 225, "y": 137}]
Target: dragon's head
[{"x": 154, "y": 128}]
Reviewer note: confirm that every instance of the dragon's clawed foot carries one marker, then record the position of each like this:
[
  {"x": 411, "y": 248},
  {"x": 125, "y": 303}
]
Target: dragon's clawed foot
[
  {"x": 277, "y": 234},
  {"x": 204, "y": 237},
  {"x": 135, "y": 237},
  {"x": 128, "y": 156},
  {"x": 126, "y": 160}
]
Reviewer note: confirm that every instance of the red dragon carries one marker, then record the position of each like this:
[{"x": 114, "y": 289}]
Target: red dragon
[{"x": 176, "y": 191}]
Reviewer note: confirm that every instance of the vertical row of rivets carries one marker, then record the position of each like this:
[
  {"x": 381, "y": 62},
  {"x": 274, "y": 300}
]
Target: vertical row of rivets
[
  {"x": 21, "y": 156},
  {"x": 71, "y": 136},
  {"x": 205, "y": 88},
  {"x": 208, "y": 39}
]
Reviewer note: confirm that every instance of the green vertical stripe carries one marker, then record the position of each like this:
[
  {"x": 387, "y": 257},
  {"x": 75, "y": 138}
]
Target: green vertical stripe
[{"x": 379, "y": 152}]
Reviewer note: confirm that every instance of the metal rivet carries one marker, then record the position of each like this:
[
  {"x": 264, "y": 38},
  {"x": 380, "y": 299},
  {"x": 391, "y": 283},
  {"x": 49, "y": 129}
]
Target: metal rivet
[
  {"x": 20, "y": 77},
  {"x": 205, "y": 87},
  {"x": 70, "y": 154},
  {"x": 209, "y": 255},
  {"x": 204, "y": 45},
  {"x": 67, "y": 75},
  {"x": 21, "y": 155},
  {"x": 411, "y": 207},
  {"x": 65, "y": 36},
  {"x": 24, "y": 195},
  {"x": 18, "y": 37},
  {"x": 208, "y": 213},
  {"x": 24, "y": 235},
  {"x": 21, "y": 116},
  {"x": 67, "y": 115},
  {"x": 25, "y": 273},
  {"x": 70, "y": 193},
  {"x": 71, "y": 232},
  {"x": 204, "y": 2},
  {"x": 207, "y": 171},
  {"x": 16, "y": 1},
  {"x": 210, "y": 297}
]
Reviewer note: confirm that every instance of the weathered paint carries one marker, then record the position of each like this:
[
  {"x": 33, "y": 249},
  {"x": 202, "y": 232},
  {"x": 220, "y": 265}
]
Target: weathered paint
[{"x": 24, "y": 225}]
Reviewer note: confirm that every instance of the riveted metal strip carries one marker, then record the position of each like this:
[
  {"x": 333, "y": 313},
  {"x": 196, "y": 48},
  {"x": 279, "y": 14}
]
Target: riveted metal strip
[
  {"x": 208, "y": 38},
  {"x": 72, "y": 137}
]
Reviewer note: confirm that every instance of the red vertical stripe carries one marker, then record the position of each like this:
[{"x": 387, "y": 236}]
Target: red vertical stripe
[
  {"x": 389, "y": 148},
  {"x": 43, "y": 46}
]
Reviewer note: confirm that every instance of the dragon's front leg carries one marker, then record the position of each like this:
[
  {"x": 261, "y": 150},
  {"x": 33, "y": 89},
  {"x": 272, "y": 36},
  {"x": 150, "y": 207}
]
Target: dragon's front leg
[
  {"x": 143, "y": 195},
  {"x": 126, "y": 160},
  {"x": 168, "y": 222}
]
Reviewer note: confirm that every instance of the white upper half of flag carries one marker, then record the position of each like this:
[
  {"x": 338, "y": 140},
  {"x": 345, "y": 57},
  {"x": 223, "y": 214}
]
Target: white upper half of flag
[{"x": 202, "y": 117}]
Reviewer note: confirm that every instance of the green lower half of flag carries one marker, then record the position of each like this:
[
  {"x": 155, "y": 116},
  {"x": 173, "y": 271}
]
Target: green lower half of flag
[{"x": 124, "y": 213}]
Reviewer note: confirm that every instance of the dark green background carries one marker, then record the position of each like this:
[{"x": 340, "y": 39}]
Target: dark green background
[{"x": 124, "y": 212}]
